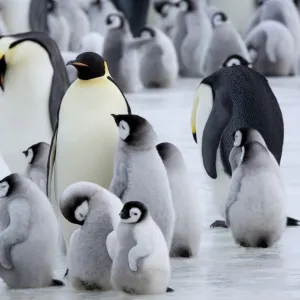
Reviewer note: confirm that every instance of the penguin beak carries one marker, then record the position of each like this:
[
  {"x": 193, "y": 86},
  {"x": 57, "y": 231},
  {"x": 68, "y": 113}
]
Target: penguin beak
[
  {"x": 77, "y": 64},
  {"x": 3, "y": 67},
  {"x": 25, "y": 152},
  {"x": 116, "y": 119}
]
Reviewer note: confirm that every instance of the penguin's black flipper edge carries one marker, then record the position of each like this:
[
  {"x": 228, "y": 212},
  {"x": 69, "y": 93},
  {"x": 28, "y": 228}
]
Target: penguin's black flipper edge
[
  {"x": 219, "y": 224},
  {"x": 292, "y": 222},
  {"x": 56, "y": 282},
  {"x": 169, "y": 290}
]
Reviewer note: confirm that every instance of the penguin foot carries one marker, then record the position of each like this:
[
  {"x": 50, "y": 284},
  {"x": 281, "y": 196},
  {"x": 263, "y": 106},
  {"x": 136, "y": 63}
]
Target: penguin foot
[
  {"x": 292, "y": 222},
  {"x": 89, "y": 286},
  {"x": 218, "y": 224},
  {"x": 169, "y": 290},
  {"x": 56, "y": 282}
]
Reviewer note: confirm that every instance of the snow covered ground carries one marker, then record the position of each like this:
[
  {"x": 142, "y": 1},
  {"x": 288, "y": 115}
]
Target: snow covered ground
[{"x": 222, "y": 270}]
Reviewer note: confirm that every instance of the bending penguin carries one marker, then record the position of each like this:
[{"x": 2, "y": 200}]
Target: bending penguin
[
  {"x": 121, "y": 54},
  {"x": 255, "y": 208},
  {"x": 271, "y": 47},
  {"x": 149, "y": 184},
  {"x": 224, "y": 102},
  {"x": 159, "y": 65},
  {"x": 224, "y": 34},
  {"x": 28, "y": 236},
  {"x": 85, "y": 131},
  {"x": 188, "y": 225},
  {"x": 141, "y": 263},
  {"x": 96, "y": 210},
  {"x": 37, "y": 157},
  {"x": 33, "y": 79}
]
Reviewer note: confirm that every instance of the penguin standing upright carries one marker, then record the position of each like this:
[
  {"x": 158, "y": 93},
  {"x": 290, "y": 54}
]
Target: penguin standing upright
[
  {"x": 225, "y": 101},
  {"x": 85, "y": 131},
  {"x": 225, "y": 41},
  {"x": 25, "y": 15},
  {"x": 33, "y": 79}
]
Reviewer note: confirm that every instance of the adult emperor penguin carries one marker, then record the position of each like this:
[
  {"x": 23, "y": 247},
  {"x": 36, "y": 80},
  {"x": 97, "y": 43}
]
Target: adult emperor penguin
[
  {"x": 271, "y": 47},
  {"x": 141, "y": 263},
  {"x": 225, "y": 101},
  {"x": 159, "y": 65},
  {"x": 28, "y": 235},
  {"x": 25, "y": 15},
  {"x": 121, "y": 53},
  {"x": 37, "y": 158},
  {"x": 149, "y": 184},
  {"x": 224, "y": 34},
  {"x": 188, "y": 225},
  {"x": 33, "y": 79},
  {"x": 85, "y": 131},
  {"x": 255, "y": 209},
  {"x": 96, "y": 210},
  {"x": 285, "y": 12}
]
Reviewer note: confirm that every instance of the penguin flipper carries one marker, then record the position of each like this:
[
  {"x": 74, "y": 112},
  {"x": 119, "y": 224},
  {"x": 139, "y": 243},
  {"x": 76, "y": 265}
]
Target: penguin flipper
[
  {"x": 292, "y": 222},
  {"x": 51, "y": 161},
  {"x": 169, "y": 290},
  {"x": 219, "y": 224}
]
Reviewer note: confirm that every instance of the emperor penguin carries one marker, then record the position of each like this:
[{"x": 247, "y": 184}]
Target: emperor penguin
[
  {"x": 225, "y": 101},
  {"x": 148, "y": 184},
  {"x": 85, "y": 132},
  {"x": 236, "y": 60},
  {"x": 28, "y": 235},
  {"x": 121, "y": 54},
  {"x": 33, "y": 79},
  {"x": 37, "y": 158},
  {"x": 255, "y": 208},
  {"x": 224, "y": 34},
  {"x": 271, "y": 47},
  {"x": 25, "y": 15},
  {"x": 159, "y": 66},
  {"x": 141, "y": 263},
  {"x": 77, "y": 21},
  {"x": 285, "y": 12},
  {"x": 96, "y": 210},
  {"x": 188, "y": 226},
  {"x": 197, "y": 40}
]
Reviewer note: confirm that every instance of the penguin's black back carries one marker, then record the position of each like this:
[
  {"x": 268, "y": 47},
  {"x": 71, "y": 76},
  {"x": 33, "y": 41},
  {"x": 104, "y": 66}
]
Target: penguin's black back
[{"x": 254, "y": 105}]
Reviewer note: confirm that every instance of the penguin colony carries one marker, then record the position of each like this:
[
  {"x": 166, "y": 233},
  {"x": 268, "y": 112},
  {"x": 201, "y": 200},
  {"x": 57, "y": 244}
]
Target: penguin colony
[{"x": 98, "y": 186}]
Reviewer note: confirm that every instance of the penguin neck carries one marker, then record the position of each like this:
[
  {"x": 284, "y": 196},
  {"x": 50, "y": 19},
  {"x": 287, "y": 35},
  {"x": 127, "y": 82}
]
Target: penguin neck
[{"x": 16, "y": 15}]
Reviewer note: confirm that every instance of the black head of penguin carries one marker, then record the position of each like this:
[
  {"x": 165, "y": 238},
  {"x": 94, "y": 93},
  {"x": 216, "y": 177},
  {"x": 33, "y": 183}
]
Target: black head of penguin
[
  {"x": 116, "y": 20},
  {"x": 187, "y": 6},
  {"x": 134, "y": 212},
  {"x": 241, "y": 97},
  {"x": 218, "y": 18},
  {"x": 89, "y": 65},
  {"x": 9, "y": 184},
  {"x": 149, "y": 31},
  {"x": 236, "y": 60}
]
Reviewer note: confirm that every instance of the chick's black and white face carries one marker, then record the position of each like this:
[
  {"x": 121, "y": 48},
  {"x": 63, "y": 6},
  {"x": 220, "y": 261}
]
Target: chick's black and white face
[
  {"x": 124, "y": 130},
  {"x": 4, "y": 187},
  {"x": 81, "y": 211},
  {"x": 114, "y": 21},
  {"x": 233, "y": 62},
  {"x": 131, "y": 216},
  {"x": 29, "y": 155}
]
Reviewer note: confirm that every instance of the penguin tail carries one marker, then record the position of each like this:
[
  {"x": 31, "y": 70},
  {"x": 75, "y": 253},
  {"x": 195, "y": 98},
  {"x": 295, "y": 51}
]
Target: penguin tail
[
  {"x": 169, "y": 290},
  {"x": 56, "y": 282},
  {"x": 292, "y": 222}
]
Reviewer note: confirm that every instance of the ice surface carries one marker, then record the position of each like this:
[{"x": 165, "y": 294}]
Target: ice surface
[{"x": 222, "y": 270}]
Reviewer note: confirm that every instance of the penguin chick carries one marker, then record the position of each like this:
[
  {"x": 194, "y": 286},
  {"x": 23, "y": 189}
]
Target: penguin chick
[
  {"x": 224, "y": 34},
  {"x": 37, "y": 157},
  {"x": 271, "y": 47},
  {"x": 187, "y": 233},
  {"x": 236, "y": 60},
  {"x": 28, "y": 236},
  {"x": 96, "y": 210},
  {"x": 255, "y": 208},
  {"x": 121, "y": 54},
  {"x": 92, "y": 42},
  {"x": 141, "y": 264},
  {"x": 159, "y": 65},
  {"x": 139, "y": 173},
  {"x": 195, "y": 44}
]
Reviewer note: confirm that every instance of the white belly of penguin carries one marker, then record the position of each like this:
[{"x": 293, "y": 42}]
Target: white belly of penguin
[
  {"x": 86, "y": 141},
  {"x": 219, "y": 187},
  {"x": 24, "y": 114}
]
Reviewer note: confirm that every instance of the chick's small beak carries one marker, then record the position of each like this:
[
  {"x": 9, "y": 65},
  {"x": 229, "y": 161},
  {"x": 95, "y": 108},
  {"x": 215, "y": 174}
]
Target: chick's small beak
[{"x": 77, "y": 64}]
